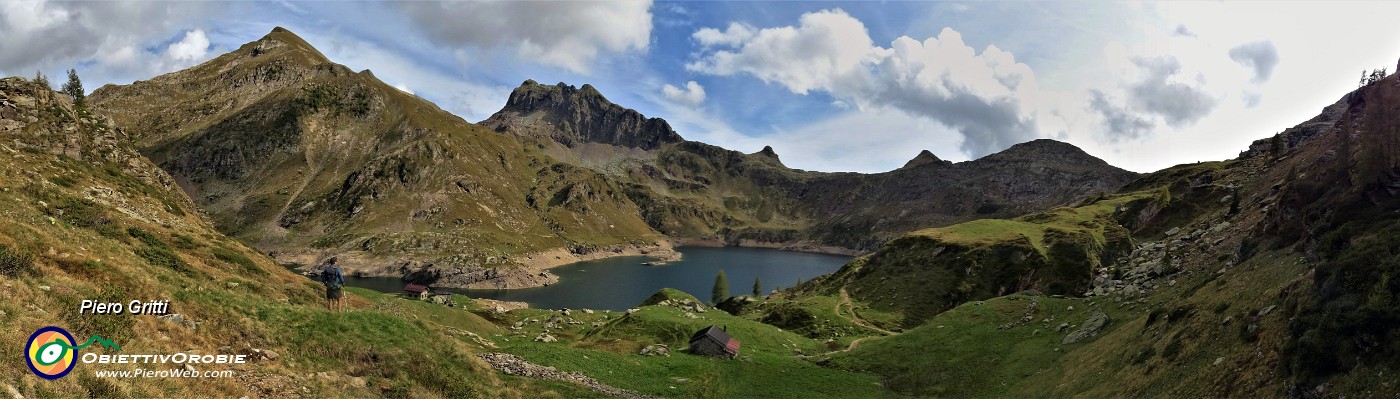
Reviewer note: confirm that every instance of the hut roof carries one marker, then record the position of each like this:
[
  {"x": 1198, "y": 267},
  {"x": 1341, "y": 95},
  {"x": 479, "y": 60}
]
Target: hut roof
[
  {"x": 718, "y": 336},
  {"x": 415, "y": 288}
]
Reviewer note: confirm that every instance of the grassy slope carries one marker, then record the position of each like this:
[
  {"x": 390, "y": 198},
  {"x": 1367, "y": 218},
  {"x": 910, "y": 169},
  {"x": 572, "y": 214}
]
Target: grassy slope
[
  {"x": 1163, "y": 345},
  {"x": 932, "y": 270},
  {"x": 769, "y": 364},
  {"x": 287, "y": 150},
  {"x": 99, "y": 229}
]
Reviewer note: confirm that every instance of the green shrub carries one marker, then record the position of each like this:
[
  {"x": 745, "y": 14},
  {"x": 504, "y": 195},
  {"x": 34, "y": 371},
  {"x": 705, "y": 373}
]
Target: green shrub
[
  {"x": 147, "y": 238},
  {"x": 64, "y": 181},
  {"x": 1179, "y": 314},
  {"x": 1172, "y": 349},
  {"x": 238, "y": 259},
  {"x": 1144, "y": 355},
  {"x": 16, "y": 263},
  {"x": 79, "y": 212},
  {"x": 162, "y": 257},
  {"x": 183, "y": 241}
]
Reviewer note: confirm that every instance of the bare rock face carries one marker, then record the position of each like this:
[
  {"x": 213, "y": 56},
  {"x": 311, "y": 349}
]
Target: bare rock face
[
  {"x": 580, "y": 115},
  {"x": 1089, "y": 329},
  {"x": 925, "y": 157}
]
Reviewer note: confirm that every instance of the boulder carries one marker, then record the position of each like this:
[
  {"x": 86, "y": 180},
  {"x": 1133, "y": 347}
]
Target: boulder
[
  {"x": 1089, "y": 329},
  {"x": 656, "y": 350}
]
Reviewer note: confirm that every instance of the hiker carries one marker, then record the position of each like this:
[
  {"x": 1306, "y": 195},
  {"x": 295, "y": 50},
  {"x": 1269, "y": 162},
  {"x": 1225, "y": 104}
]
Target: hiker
[{"x": 334, "y": 280}]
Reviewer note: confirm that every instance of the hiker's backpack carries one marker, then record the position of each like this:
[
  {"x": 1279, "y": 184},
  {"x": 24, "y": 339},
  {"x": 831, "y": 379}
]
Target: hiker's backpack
[{"x": 330, "y": 276}]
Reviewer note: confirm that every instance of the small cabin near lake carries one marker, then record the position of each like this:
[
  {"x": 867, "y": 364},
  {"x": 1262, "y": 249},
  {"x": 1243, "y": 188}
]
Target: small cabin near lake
[
  {"x": 415, "y": 291},
  {"x": 713, "y": 341}
]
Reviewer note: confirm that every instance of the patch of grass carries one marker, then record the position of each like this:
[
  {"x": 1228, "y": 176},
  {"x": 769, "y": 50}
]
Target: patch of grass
[
  {"x": 1172, "y": 348},
  {"x": 184, "y": 242},
  {"x": 1220, "y": 308},
  {"x": 83, "y": 213},
  {"x": 147, "y": 238},
  {"x": 1144, "y": 355},
  {"x": 238, "y": 259},
  {"x": 1153, "y": 316},
  {"x": 609, "y": 353},
  {"x": 16, "y": 263},
  {"x": 962, "y": 352},
  {"x": 63, "y": 181},
  {"x": 162, "y": 257},
  {"x": 1179, "y": 313}
]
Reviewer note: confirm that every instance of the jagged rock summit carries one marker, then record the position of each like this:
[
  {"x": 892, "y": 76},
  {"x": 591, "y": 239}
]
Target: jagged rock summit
[
  {"x": 577, "y": 116},
  {"x": 925, "y": 157}
]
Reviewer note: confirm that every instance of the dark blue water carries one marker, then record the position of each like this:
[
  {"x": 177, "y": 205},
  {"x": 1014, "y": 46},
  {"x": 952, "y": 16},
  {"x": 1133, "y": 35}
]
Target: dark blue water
[{"x": 622, "y": 283}]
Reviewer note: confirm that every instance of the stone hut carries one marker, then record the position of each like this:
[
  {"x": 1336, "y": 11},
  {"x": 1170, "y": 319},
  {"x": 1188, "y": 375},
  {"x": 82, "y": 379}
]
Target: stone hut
[
  {"x": 713, "y": 341},
  {"x": 415, "y": 291}
]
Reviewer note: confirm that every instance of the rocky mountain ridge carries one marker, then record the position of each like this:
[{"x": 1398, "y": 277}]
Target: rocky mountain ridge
[{"x": 695, "y": 190}]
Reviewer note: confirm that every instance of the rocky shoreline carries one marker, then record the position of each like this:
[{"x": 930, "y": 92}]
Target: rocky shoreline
[
  {"x": 794, "y": 246},
  {"x": 526, "y": 270}
]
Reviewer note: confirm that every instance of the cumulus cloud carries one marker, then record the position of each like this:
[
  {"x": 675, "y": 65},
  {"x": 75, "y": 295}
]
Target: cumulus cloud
[
  {"x": 734, "y": 35},
  {"x": 1120, "y": 122},
  {"x": 403, "y": 88},
  {"x": 1261, "y": 55},
  {"x": 984, "y": 96},
  {"x": 1164, "y": 93},
  {"x": 1159, "y": 92},
  {"x": 42, "y": 34},
  {"x": 193, "y": 47},
  {"x": 564, "y": 34},
  {"x": 691, "y": 95},
  {"x": 1182, "y": 31}
]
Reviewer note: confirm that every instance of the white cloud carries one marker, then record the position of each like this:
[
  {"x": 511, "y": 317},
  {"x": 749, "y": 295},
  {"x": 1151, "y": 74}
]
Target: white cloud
[
  {"x": 692, "y": 95},
  {"x": 450, "y": 89},
  {"x": 569, "y": 35},
  {"x": 193, "y": 47},
  {"x": 122, "y": 40},
  {"x": 1262, "y": 56},
  {"x": 989, "y": 98},
  {"x": 734, "y": 35}
]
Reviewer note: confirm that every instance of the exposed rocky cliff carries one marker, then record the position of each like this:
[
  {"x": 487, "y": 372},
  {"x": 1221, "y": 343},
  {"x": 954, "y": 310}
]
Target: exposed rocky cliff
[{"x": 573, "y": 116}]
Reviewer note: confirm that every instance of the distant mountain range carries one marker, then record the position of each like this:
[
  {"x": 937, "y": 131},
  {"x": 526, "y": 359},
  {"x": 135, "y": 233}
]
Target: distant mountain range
[{"x": 301, "y": 157}]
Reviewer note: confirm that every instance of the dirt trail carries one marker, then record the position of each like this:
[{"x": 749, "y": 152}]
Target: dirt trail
[
  {"x": 855, "y": 319},
  {"x": 846, "y": 300}
]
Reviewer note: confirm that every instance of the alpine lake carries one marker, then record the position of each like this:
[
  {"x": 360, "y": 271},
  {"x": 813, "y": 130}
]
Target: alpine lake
[{"x": 624, "y": 282}]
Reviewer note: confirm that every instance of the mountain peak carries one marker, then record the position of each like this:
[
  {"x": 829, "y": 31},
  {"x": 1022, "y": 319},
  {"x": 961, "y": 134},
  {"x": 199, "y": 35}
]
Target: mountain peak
[
  {"x": 281, "y": 39},
  {"x": 1045, "y": 148},
  {"x": 574, "y": 116},
  {"x": 925, "y": 157},
  {"x": 768, "y": 154}
]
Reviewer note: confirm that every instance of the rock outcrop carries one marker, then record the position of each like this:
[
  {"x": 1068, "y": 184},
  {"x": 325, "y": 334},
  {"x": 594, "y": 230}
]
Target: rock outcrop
[{"x": 576, "y": 116}]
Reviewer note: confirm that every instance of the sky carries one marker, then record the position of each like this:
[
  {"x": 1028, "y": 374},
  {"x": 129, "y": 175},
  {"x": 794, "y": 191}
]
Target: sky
[{"x": 831, "y": 86}]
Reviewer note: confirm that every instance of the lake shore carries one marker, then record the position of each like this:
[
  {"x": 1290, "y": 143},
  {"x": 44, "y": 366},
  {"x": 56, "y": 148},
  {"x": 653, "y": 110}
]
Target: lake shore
[
  {"x": 794, "y": 246},
  {"x": 531, "y": 269}
]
